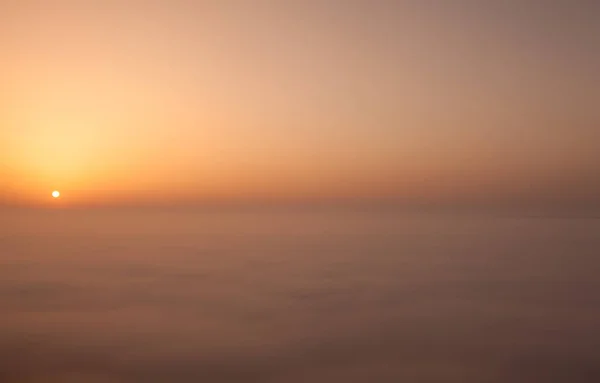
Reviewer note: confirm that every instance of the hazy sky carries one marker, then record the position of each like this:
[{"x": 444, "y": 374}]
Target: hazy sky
[{"x": 125, "y": 101}]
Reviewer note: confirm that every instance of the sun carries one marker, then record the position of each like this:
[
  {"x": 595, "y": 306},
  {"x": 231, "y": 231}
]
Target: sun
[{"x": 55, "y": 194}]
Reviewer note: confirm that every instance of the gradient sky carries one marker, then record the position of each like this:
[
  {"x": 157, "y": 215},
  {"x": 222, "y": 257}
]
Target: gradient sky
[{"x": 181, "y": 101}]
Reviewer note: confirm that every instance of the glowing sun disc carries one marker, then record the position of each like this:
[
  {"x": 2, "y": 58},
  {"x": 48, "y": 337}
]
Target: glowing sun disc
[{"x": 55, "y": 194}]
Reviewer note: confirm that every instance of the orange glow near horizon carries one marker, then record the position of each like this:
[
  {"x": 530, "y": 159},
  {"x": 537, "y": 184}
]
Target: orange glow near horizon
[{"x": 190, "y": 102}]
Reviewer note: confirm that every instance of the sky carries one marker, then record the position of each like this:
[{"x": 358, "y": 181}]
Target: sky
[{"x": 184, "y": 102}]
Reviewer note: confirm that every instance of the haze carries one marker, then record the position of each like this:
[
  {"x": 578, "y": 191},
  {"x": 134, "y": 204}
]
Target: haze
[
  {"x": 182, "y": 102},
  {"x": 292, "y": 191}
]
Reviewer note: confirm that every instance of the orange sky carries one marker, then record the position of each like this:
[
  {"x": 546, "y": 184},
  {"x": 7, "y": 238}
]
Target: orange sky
[{"x": 123, "y": 101}]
